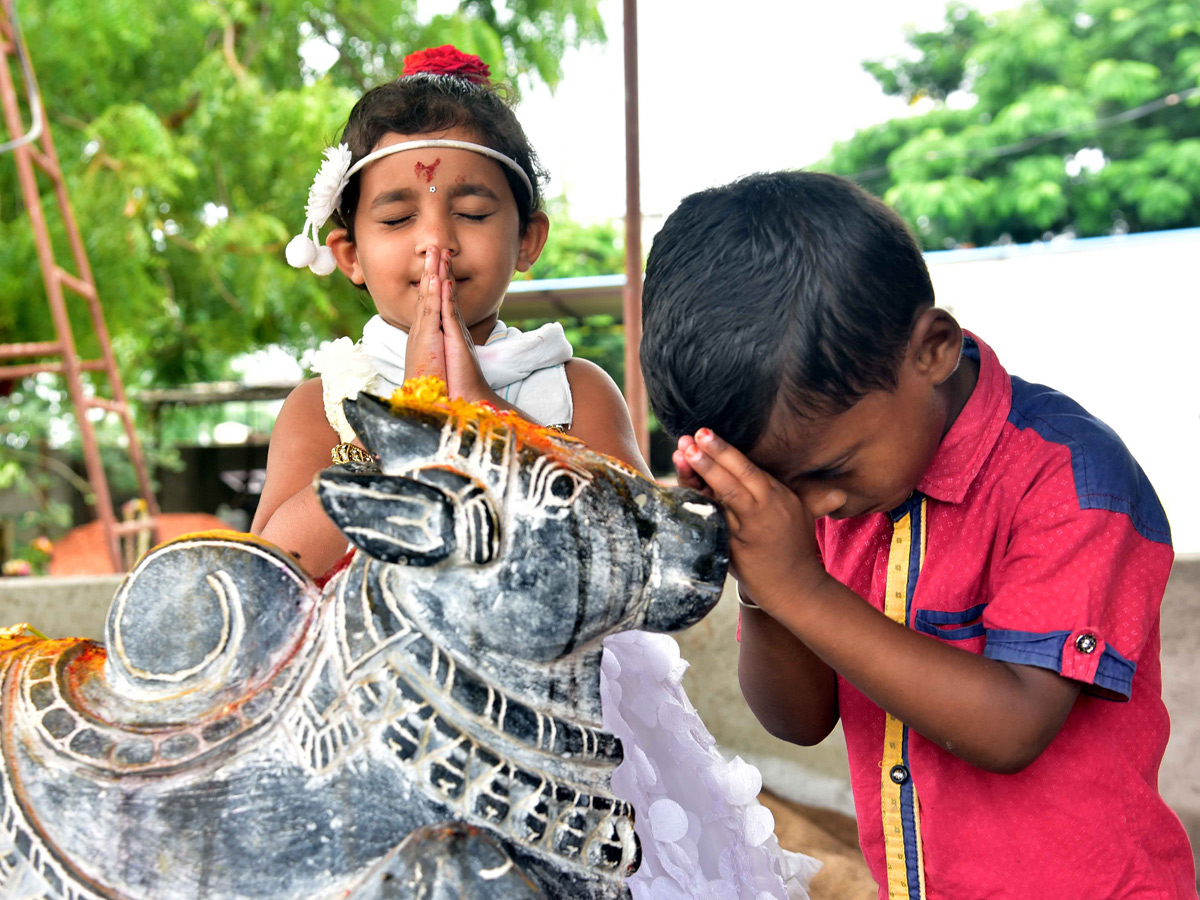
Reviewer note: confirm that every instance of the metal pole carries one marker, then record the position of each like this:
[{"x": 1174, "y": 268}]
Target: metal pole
[{"x": 635, "y": 387}]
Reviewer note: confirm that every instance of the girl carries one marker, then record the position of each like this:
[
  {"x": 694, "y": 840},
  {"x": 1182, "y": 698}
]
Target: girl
[
  {"x": 435, "y": 195},
  {"x": 441, "y": 205}
]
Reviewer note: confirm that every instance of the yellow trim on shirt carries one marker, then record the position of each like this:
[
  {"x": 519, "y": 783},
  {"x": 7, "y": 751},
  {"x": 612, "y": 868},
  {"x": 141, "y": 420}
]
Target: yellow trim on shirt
[
  {"x": 895, "y": 607},
  {"x": 916, "y": 803}
]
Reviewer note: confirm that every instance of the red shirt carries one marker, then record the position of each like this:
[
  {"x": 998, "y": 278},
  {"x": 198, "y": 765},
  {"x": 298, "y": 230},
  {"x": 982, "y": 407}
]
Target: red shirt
[{"x": 1034, "y": 538}]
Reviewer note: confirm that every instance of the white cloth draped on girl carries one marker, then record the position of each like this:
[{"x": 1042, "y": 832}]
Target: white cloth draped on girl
[
  {"x": 526, "y": 369},
  {"x": 703, "y": 832}
]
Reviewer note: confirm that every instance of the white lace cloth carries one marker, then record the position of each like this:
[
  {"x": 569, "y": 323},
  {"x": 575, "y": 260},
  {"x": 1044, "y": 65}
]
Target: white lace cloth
[{"x": 704, "y": 834}]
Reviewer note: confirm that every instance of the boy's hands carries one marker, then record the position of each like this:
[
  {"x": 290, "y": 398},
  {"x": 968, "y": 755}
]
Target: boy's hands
[
  {"x": 995, "y": 715},
  {"x": 772, "y": 540}
]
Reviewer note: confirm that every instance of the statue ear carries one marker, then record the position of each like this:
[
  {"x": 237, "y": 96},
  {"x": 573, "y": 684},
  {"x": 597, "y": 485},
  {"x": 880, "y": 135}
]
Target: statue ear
[
  {"x": 400, "y": 441},
  {"x": 390, "y": 517}
]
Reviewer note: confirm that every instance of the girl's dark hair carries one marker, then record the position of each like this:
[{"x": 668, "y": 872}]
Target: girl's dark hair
[
  {"x": 792, "y": 287},
  {"x": 425, "y": 103}
]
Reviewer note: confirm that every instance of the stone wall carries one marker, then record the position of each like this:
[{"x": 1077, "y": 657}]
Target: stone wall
[{"x": 59, "y": 607}]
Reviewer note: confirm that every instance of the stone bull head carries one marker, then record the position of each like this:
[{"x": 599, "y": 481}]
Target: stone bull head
[
  {"x": 518, "y": 546},
  {"x": 426, "y": 726}
]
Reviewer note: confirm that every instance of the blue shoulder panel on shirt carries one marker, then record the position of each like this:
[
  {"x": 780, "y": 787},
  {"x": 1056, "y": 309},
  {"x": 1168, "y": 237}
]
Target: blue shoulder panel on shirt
[{"x": 1106, "y": 474}]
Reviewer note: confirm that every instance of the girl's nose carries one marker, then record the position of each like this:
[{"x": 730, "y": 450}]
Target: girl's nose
[{"x": 436, "y": 230}]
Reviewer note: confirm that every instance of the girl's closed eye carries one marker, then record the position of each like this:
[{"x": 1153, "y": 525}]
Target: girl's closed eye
[
  {"x": 473, "y": 215},
  {"x": 390, "y": 214}
]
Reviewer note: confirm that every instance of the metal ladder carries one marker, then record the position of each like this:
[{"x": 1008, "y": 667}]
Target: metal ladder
[{"x": 35, "y": 149}]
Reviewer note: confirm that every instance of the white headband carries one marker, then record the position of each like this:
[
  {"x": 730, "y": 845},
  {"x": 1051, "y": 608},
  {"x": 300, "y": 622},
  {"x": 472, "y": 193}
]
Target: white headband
[{"x": 305, "y": 249}]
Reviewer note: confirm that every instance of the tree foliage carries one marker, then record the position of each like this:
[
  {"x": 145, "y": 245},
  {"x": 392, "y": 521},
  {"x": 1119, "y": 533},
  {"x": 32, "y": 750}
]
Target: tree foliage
[
  {"x": 574, "y": 250},
  {"x": 1085, "y": 119},
  {"x": 189, "y": 134}
]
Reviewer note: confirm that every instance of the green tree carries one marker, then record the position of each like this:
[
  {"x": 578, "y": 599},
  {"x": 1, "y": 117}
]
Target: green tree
[
  {"x": 1085, "y": 119},
  {"x": 574, "y": 250},
  {"x": 189, "y": 134}
]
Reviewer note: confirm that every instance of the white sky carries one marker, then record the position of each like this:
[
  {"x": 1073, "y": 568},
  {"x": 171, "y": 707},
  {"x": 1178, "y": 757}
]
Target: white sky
[{"x": 726, "y": 88}]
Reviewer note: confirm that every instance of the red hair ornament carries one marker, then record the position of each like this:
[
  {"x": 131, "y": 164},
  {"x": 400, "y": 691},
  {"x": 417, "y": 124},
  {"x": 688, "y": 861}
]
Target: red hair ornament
[{"x": 447, "y": 60}]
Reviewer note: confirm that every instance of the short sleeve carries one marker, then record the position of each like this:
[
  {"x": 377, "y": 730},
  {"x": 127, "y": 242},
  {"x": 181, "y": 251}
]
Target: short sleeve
[{"x": 1078, "y": 592}]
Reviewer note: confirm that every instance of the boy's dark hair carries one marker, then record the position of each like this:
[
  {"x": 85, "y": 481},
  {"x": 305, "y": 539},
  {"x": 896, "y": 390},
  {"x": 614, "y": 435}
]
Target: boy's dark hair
[
  {"x": 426, "y": 103},
  {"x": 792, "y": 286}
]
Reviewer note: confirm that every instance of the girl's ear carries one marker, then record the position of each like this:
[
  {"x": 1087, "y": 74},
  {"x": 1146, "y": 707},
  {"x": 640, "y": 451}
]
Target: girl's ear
[
  {"x": 345, "y": 254},
  {"x": 936, "y": 344},
  {"x": 533, "y": 240}
]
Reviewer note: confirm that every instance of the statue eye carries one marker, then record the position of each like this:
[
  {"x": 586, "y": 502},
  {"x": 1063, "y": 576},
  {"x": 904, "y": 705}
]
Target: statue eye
[
  {"x": 554, "y": 486},
  {"x": 563, "y": 486},
  {"x": 560, "y": 488}
]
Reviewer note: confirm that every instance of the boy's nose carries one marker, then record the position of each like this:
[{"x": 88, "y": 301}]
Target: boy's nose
[{"x": 823, "y": 500}]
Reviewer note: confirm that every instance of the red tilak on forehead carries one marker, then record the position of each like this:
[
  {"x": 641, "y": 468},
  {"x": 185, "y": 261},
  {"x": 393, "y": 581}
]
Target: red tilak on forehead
[{"x": 427, "y": 170}]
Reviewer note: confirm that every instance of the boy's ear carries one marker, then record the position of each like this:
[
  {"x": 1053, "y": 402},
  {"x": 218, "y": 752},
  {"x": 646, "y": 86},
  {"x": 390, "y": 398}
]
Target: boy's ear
[
  {"x": 936, "y": 344},
  {"x": 533, "y": 240},
  {"x": 345, "y": 254}
]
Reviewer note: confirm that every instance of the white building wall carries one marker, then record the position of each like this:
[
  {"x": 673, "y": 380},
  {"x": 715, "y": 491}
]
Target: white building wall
[{"x": 1112, "y": 322}]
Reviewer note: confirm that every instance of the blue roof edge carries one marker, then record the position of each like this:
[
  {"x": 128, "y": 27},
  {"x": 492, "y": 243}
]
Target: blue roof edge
[
  {"x": 1059, "y": 245},
  {"x": 584, "y": 282}
]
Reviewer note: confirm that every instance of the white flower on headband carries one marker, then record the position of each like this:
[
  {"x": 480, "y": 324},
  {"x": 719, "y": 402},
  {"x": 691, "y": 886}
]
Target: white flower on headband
[
  {"x": 327, "y": 187},
  {"x": 323, "y": 198}
]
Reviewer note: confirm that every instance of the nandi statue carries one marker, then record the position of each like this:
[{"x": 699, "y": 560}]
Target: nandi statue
[{"x": 428, "y": 725}]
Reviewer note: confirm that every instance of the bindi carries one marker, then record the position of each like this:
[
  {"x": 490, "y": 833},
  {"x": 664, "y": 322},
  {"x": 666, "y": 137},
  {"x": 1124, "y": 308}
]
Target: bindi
[{"x": 428, "y": 171}]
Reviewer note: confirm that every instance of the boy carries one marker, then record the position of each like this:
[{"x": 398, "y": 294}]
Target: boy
[{"x": 964, "y": 567}]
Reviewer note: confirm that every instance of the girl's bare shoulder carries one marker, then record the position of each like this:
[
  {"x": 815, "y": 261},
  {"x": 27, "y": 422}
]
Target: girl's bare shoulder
[
  {"x": 304, "y": 408},
  {"x": 601, "y": 416},
  {"x": 300, "y": 443},
  {"x": 301, "y": 429}
]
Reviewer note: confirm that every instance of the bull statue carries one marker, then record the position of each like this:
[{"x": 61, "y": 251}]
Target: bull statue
[{"x": 427, "y": 725}]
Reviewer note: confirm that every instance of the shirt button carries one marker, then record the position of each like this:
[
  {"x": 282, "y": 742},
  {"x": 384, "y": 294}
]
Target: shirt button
[
  {"x": 1085, "y": 643},
  {"x": 898, "y": 774}
]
